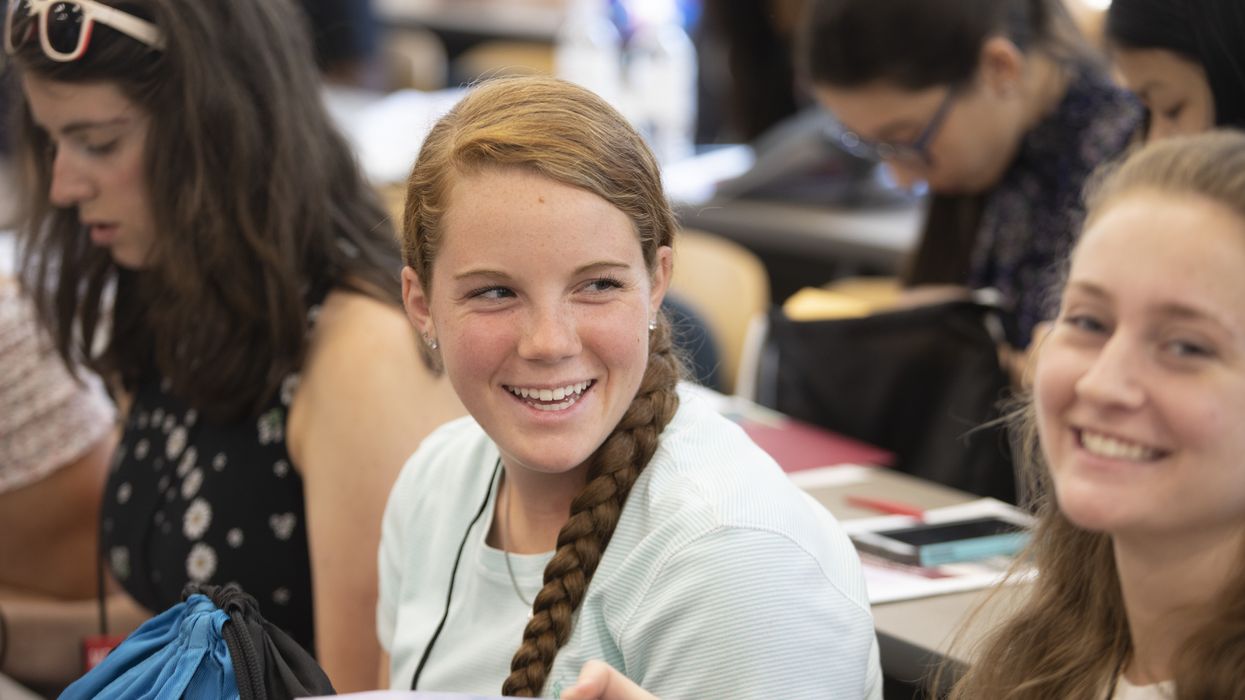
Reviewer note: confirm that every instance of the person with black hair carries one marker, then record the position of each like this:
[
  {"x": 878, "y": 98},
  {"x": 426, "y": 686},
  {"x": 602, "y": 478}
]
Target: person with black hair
[
  {"x": 998, "y": 105},
  {"x": 1185, "y": 60}
]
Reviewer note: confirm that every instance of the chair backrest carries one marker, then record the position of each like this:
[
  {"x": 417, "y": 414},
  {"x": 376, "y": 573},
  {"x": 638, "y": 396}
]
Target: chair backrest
[
  {"x": 727, "y": 284},
  {"x": 923, "y": 382}
]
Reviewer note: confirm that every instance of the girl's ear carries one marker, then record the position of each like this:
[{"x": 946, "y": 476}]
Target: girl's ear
[
  {"x": 661, "y": 279},
  {"x": 415, "y": 301},
  {"x": 1002, "y": 66}
]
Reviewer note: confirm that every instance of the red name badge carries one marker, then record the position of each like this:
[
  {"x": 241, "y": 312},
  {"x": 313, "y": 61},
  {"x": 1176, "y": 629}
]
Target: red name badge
[{"x": 96, "y": 646}]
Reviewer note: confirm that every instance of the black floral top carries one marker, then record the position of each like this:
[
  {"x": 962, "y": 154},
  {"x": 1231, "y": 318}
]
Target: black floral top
[
  {"x": 1031, "y": 218},
  {"x": 192, "y": 500}
]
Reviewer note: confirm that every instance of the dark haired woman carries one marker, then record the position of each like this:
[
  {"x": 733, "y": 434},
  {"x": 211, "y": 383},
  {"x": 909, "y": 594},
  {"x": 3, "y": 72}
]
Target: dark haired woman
[
  {"x": 1185, "y": 61},
  {"x": 538, "y": 244},
  {"x": 197, "y": 228},
  {"x": 997, "y": 105}
]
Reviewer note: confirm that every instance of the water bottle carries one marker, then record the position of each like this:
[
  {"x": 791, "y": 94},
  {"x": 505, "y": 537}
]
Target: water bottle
[
  {"x": 589, "y": 50},
  {"x": 661, "y": 79}
]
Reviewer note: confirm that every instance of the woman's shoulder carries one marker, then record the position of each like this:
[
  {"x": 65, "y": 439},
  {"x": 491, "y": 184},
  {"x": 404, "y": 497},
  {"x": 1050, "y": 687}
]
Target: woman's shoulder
[
  {"x": 1111, "y": 116},
  {"x": 709, "y": 476},
  {"x": 445, "y": 461},
  {"x": 706, "y": 451}
]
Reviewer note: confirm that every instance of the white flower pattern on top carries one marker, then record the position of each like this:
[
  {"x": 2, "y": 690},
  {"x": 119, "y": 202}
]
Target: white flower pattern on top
[
  {"x": 202, "y": 492},
  {"x": 288, "y": 387},
  {"x": 271, "y": 427},
  {"x": 197, "y": 520},
  {"x": 119, "y": 557},
  {"x": 201, "y": 563},
  {"x": 189, "y": 457},
  {"x": 177, "y": 442},
  {"x": 191, "y": 484},
  {"x": 283, "y": 525}
]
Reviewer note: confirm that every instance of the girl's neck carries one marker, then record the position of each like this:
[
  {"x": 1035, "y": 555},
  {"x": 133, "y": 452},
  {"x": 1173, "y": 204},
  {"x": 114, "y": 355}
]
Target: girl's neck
[
  {"x": 1169, "y": 586},
  {"x": 531, "y": 508},
  {"x": 1047, "y": 83}
]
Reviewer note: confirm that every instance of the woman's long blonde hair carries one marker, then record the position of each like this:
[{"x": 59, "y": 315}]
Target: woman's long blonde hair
[
  {"x": 1071, "y": 639},
  {"x": 569, "y": 135}
]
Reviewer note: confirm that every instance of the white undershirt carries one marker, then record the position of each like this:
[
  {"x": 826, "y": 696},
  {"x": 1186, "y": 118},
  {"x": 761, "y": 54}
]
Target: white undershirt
[{"x": 1155, "y": 691}]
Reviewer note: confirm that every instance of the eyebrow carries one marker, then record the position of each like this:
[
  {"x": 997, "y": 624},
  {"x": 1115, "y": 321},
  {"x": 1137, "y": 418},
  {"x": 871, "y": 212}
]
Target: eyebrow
[
  {"x": 1170, "y": 310},
  {"x": 84, "y": 125},
  {"x": 599, "y": 265}
]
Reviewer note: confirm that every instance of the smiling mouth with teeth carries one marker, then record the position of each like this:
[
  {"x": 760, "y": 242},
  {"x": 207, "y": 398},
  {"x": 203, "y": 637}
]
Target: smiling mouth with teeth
[
  {"x": 556, "y": 399},
  {"x": 1114, "y": 448}
]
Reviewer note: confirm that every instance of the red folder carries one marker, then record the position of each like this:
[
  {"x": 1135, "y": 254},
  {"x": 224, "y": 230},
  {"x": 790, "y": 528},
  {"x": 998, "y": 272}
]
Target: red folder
[{"x": 797, "y": 445}]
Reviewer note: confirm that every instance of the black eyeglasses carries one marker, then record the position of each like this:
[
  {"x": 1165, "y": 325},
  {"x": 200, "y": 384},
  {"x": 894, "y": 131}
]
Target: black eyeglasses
[
  {"x": 64, "y": 26},
  {"x": 914, "y": 154}
]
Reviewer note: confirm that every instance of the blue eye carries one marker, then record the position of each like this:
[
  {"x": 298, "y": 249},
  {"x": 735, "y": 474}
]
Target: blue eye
[
  {"x": 491, "y": 293},
  {"x": 1185, "y": 348},
  {"x": 604, "y": 284},
  {"x": 1085, "y": 323}
]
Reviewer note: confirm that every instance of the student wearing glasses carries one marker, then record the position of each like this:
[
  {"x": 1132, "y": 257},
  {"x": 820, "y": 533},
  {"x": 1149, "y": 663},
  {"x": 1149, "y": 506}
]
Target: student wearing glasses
[
  {"x": 589, "y": 507},
  {"x": 997, "y": 105},
  {"x": 1133, "y": 447},
  {"x": 200, "y": 233},
  {"x": 1184, "y": 60}
]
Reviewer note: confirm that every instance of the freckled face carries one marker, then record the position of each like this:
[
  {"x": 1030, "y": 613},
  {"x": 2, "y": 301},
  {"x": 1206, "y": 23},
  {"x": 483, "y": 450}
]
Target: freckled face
[
  {"x": 1140, "y": 386},
  {"x": 99, "y": 138},
  {"x": 540, "y": 300}
]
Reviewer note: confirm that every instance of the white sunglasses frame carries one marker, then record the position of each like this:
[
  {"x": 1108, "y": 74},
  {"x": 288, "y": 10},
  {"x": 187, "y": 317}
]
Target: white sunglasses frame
[{"x": 92, "y": 12}]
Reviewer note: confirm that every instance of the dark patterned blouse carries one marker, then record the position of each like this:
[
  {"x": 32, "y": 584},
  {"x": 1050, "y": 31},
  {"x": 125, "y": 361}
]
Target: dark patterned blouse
[
  {"x": 192, "y": 500},
  {"x": 1031, "y": 218},
  {"x": 1016, "y": 236}
]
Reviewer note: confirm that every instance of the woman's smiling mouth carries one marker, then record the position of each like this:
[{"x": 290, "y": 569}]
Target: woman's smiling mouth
[{"x": 551, "y": 399}]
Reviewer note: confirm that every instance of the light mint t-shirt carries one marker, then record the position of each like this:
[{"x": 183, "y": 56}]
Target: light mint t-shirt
[{"x": 722, "y": 579}]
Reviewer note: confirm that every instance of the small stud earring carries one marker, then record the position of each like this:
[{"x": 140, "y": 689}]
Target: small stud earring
[
  {"x": 652, "y": 324},
  {"x": 432, "y": 342}
]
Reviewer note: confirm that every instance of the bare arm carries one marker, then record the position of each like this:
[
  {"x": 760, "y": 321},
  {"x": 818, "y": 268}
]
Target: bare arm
[
  {"x": 365, "y": 403},
  {"x": 49, "y": 529},
  {"x": 43, "y": 636}
]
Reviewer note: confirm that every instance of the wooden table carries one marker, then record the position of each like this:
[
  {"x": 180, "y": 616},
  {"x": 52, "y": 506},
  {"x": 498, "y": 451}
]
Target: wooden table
[{"x": 915, "y": 635}]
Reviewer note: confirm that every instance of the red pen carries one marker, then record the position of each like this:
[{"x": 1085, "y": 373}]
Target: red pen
[{"x": 883, "y": 505}]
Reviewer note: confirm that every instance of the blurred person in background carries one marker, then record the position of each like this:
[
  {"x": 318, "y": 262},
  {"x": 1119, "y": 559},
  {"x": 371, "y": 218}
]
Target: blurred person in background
[
  {"x": 197, "y": 230},
  {"x": 1185, "y": 60},
  {"x": 999, "y": 106}
]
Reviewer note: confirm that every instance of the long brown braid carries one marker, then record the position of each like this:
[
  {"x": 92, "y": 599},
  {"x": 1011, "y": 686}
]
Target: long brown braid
[{"x": 613, "y": 470}]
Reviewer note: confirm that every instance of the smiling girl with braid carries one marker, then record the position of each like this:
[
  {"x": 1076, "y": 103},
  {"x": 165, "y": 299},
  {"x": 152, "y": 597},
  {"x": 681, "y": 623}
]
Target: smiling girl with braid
[{"x": 589, "y": 507}]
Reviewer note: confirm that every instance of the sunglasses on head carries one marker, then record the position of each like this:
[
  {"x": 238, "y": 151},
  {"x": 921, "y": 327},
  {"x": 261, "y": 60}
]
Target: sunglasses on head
[{"x": 64, "y": 26}]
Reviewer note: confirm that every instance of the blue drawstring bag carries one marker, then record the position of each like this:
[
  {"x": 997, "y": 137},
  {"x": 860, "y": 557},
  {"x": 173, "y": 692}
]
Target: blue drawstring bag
[
  {"x": 179, "y": 653},
  {"x": 212, "y": 646}
]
